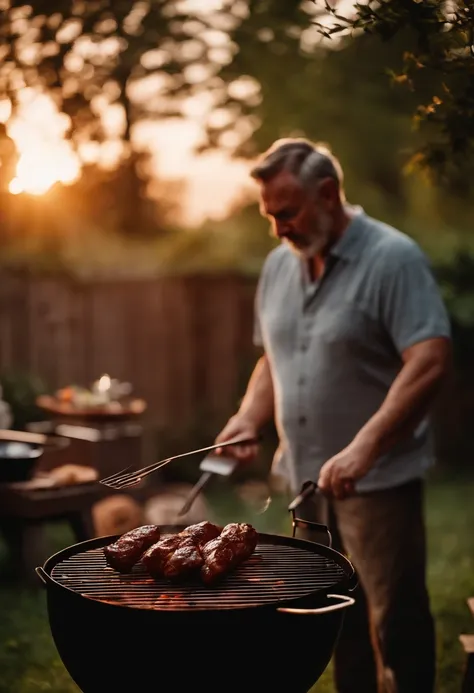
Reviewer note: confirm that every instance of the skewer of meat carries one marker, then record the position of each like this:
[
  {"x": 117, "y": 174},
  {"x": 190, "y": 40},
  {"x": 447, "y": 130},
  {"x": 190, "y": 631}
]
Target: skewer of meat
[{"x": 124, "y": 553}]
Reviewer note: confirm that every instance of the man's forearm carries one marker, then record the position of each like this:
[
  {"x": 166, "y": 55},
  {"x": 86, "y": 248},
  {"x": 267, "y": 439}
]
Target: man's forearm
[
  {"x": 257, "y": 404},
  {"x": 406, "y": 404}
]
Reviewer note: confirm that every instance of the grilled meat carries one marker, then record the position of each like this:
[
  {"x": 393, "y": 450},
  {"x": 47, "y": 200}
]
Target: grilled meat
[
  {"x": 123, "y": 554},
  {"x": 211, "y": 546},
  {"x": 154, "y": 559},
  {"x": 243, "y": 538},
  {"x": 202, "y": 532},
  {"x": 185, "y": 560},
  {"x": 179, "y": 554},
  {"x": 236, "y": 544},
  {"x": 204, "y": 549},
  {"x": 218, "y": 562}
]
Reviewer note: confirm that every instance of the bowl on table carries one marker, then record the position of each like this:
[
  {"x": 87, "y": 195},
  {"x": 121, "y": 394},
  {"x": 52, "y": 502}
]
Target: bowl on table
[{"x": 18, "y": 460}]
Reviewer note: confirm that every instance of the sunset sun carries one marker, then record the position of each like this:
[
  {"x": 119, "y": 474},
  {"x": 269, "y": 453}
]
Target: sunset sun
[{"x": 45, "y": 157}]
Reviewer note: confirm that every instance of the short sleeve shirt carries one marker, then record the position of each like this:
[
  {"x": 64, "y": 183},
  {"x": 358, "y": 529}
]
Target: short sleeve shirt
[{"x": 335, "y": 346}]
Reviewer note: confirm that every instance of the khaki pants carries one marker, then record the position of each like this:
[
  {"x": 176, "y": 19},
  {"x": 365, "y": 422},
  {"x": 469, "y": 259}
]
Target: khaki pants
[{"x": 387, "y": 644}]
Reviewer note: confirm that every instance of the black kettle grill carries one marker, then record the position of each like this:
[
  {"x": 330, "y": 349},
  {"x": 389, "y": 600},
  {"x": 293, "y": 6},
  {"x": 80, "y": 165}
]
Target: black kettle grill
[{"x": 272, "y": 625}]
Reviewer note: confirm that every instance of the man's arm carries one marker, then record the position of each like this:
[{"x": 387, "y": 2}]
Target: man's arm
[
  {"x": 257, "y": 403},
  {"x": 411, "y": 395},
  {"x": 411, "y": 311},
  {"x": 255, "y": 411}
]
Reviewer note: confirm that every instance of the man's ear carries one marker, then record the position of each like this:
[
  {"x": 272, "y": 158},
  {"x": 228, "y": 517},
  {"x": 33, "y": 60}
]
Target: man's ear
[{"x": 328, "y": 192}]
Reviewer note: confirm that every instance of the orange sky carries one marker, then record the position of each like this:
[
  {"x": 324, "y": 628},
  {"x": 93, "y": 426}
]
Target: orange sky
[
  {"x": 46, "y": 157},
  {"x": 214, "y": 180}
]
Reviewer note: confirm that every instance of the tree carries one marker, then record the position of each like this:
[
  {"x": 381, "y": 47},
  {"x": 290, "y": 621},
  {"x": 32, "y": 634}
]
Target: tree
[
  {"x": 8, "y": 162},
  {"x": 442, "y": 55},
  {"x": 81, "y": 52},
  {"x": 144, "y": 60},
  {"x": 339, "y": 96}
]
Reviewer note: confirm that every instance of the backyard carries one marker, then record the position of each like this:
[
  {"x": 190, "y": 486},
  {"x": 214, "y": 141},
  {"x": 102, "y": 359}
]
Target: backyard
[
  {"x": 29, "y": 662},
  {"x": 132, "y": 237}
]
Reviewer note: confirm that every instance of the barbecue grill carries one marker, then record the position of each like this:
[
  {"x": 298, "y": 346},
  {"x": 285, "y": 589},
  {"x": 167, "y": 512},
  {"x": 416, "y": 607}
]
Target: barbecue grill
[{"x": 133, "y": 634}]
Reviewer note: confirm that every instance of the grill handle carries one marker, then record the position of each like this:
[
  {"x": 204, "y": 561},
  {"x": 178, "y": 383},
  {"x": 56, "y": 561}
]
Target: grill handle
[
  {"x": 298, "y": 523},
  {"x": 316, "y": 527},
  {"x": 43, "y": 576},
  {"x": 343, "y": 603}
]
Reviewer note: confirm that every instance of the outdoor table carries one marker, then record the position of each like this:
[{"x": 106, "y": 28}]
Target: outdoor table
[
  {"x": 26, "y": 509},
  {"x": 106, "y": 446}
]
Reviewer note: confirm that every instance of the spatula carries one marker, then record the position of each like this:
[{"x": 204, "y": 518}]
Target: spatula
[{"x": 210, "y": 466}]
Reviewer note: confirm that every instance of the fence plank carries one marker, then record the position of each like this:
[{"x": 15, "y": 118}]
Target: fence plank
[{"x": 181, "y": 342}]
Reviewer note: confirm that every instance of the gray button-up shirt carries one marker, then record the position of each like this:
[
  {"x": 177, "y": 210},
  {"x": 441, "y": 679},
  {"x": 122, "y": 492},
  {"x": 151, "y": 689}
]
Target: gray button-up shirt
[{"x": 335, "y": 346}]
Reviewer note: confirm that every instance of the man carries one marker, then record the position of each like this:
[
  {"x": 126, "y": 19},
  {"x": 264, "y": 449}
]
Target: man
[{"x": 356, "y": 343}]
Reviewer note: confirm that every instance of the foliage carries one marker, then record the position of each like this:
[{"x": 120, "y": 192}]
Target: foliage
[
  {"x": 92, "y": 55},
  {"x": 20, "y": 391},
  {"x": 443, "y": 54},
  {"x": 127, "y": 62},
  {"x": 253, "y": 56},
  {"x": 8, "y": 159}
]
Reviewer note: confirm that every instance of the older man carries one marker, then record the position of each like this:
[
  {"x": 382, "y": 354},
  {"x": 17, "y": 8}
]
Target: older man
[{"x": 356, "y": 343}]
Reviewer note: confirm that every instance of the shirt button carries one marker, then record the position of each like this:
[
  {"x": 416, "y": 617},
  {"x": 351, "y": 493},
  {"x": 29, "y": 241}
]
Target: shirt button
[
  {"x": 301, "y": 381},
  {"x": 304, "y": 347},
  {"x": 302, "y": 420}
]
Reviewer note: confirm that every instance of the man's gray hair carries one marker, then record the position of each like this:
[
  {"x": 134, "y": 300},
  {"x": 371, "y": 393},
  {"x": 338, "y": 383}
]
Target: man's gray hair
[{"x": 309, "y": 162}]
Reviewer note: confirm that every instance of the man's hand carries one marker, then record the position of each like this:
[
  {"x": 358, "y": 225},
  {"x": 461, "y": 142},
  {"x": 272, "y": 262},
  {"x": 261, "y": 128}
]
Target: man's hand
[
  {"x": 338, "y": 475},
  {"x": 409, "y": 398},
  {"x": 238, "y": 427}
]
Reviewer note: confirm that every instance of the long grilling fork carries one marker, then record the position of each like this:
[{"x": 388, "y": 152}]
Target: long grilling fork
[{"x": 130, "y": 477}]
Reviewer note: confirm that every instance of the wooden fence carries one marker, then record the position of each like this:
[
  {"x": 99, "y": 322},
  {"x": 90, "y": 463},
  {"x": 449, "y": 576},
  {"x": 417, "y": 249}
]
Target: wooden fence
[
  {"x": 185, "y": 344},
  {"x": 182, "y": 342}
]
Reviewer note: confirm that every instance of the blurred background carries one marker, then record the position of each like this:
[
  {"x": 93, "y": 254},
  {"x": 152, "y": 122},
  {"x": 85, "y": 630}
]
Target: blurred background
[{"x": 131, "y": 243}]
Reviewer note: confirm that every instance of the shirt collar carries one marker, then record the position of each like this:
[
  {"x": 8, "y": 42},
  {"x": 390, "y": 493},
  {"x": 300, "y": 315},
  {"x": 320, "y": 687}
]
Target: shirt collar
[{"x": 349, "y": 245}]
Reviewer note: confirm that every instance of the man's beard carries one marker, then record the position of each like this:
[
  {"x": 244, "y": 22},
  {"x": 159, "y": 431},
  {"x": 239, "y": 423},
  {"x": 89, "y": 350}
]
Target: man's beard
[{"x": 315, "y": 244}]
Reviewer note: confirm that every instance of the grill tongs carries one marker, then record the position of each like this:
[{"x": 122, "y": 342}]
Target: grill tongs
[
  {"x": 319, "y": 533},
  {"x": 308, "y": 489},
  {"x": 130, "y": 477}
]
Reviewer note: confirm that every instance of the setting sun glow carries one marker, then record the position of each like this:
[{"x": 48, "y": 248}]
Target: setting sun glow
[
  {"x": 45, "y": 156},
  {"x": 213, "y": 180}
]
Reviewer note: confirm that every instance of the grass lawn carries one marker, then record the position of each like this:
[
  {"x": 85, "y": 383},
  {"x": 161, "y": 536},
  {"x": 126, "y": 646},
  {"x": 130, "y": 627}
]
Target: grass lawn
[{"x": 29, "y": 662}]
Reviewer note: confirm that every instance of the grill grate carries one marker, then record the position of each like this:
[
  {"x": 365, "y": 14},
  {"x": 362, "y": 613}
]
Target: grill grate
[{"x": 275, "y": 573}]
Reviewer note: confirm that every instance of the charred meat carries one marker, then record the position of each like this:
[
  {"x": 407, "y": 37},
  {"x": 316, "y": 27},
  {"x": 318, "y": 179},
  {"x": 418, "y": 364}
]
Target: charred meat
[
  {"x": 236, "y": 544},
  {"x": 155, "y": 558},
  {"x": 243, "y": 538},
  {"x": 204, "y": 550},
  {"x": 176, "y": 556},
  {"x": 185, "y": 560},
  {"x": 123, "y": 554},
  {"x": 202, "y": 533}
]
